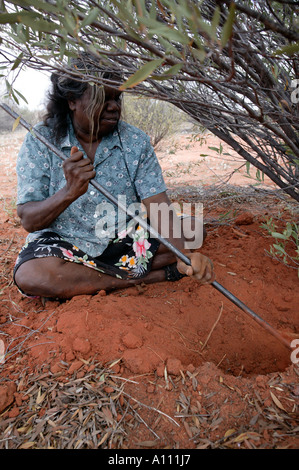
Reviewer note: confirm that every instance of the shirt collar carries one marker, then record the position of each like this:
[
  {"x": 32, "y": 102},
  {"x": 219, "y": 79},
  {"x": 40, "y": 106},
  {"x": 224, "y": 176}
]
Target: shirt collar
[
  {"x": 69, "y": 139},
  {"x": 109, "y": 141}
]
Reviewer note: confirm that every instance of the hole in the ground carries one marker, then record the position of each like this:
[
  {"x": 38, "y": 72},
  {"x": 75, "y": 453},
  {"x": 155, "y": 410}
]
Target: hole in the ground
[
  {"x": 244, "y": 353},
  {"x": 252, "y": 361},
  {"x": 145, "y": 333}
]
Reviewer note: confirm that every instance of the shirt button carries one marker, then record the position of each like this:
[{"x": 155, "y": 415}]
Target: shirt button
[{"x": 92, "y": 193}]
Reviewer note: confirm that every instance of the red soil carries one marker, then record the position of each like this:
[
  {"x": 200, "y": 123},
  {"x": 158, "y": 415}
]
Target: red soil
[{"x": 171, "y": 338}]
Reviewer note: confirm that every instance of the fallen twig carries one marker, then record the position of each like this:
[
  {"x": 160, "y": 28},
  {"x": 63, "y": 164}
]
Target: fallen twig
[
  {"x": 213, "y": 328},
  {"x": 149, "y": 407}
]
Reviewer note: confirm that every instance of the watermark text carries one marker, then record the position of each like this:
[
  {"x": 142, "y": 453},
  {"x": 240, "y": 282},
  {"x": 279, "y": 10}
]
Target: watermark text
[
  {"x": 295, "y": 353},
  {"x": 170, "y": 221},
  {"x": 2, "y": 351},
  {"x": 295, "y": 93}
]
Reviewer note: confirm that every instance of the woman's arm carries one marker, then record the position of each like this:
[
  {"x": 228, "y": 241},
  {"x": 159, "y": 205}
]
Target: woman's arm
[
  {"x": 169, "y": 226},
  {"x": 37, "y": 215}
]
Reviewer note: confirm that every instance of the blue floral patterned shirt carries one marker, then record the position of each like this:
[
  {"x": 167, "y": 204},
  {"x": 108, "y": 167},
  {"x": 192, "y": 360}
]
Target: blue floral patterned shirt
[{"x": 125, "y": 164}]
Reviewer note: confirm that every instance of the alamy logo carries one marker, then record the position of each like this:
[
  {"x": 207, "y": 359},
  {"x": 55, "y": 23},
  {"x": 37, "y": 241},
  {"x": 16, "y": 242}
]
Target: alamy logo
[
  {"x": 295, "y": 353},
  {"x": 295, "y": 93},
  {"x": 2, "y": 351},
  {"x": 167, "y": 220}
]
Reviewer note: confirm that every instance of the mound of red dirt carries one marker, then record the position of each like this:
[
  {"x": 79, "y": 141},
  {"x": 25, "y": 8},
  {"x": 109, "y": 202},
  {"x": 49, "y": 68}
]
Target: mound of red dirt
[
  {"x": 167, "y": 331},
  {"x": 183, "y": 349},
  {"x": 170, "y": 323}
]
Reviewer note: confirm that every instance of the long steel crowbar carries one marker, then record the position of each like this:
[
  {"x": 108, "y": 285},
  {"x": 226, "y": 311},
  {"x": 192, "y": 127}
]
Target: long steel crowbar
[{"x": 150, "y": 229}]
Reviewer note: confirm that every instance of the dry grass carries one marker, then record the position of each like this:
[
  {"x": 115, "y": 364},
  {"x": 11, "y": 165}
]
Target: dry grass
[{"x": 92, "y": 409}]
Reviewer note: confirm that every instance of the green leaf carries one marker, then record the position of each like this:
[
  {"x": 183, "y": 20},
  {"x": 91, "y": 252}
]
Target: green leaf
[
  {"x": 8, "y": 18},
  {"x": 174, "y": 70},
  {"x": 62, "y": 48},
  {"x": 70, "y": 24},
  {"x": 215, "y": 22},
  {"x": 8, "y": 86},
  {"x": 141, "y": 74},
  {"x": 228, "y": 25},
  {"x": 278, "y": 235},
  {"x": 199, "y": 54},
  {"x": 288, "y": 231},
  {"x": 124, "y": 13},
  {"x": 17, "y": 61},
  {"x": 169, "y": 48},
  {"x": 140, "y": 7},
  {"x": 38, "y": 24},
  {"x": 16, "y": 123},
  {"x": 259, "y": 175},
  {"x": 45, "y": 5},
  {"x": 28, "y": 18},
  {"x": 21, "y": 96},
  {"x": 91, "y": 17},
  {"x": 279, "y": 248},
  {"x": 167, "y": 32},
  {"x": 216, "y": 149},
  {"x": 290, "y": 49}
]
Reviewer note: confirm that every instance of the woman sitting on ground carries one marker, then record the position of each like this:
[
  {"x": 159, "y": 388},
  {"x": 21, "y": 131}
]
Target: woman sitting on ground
[{"x": 78, "y": 243}]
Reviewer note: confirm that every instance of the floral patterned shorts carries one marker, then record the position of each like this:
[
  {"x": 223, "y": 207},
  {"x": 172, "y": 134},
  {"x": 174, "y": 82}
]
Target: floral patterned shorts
[{"x": 127, "y": 257}]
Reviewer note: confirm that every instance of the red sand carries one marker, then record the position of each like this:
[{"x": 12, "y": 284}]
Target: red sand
[{"x": 167, "y": 326}]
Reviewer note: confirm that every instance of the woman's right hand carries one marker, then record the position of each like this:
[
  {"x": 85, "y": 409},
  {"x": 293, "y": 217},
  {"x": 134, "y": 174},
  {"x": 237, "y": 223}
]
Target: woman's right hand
[{"x": 78, "y": 171}]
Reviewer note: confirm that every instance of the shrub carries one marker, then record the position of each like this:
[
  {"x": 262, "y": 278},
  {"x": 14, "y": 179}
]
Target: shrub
[
  {"x": 157, "y": 118},
  {"x": 286, "y": 246}
]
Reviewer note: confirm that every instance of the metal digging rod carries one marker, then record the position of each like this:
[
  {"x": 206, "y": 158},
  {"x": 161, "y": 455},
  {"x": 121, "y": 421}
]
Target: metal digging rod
[{"x": 150, "y": 229}]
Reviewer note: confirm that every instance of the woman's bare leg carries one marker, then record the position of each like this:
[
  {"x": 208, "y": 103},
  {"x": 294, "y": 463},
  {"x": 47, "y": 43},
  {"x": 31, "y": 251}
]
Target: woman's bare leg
[{"x": 56, "y": 278}]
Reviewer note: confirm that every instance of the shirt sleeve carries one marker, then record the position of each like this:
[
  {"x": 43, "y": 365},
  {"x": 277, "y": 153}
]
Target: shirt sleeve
[
  {"x": 149, "y": 180},
  {"x": 33, "y": 171}
]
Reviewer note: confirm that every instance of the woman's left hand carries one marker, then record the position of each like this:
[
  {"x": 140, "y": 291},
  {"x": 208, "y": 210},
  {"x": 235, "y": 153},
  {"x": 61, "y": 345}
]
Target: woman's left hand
[{"x": 201, "y": 268}]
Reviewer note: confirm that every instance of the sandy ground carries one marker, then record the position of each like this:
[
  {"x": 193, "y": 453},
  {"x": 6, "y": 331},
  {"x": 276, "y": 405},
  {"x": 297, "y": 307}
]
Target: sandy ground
[
  {"x": 166, "y": 366},
  {"x": 204, "y": 160}
]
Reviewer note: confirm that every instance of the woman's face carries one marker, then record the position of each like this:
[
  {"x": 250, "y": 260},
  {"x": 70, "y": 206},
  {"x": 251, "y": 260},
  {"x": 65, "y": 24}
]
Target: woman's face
[{"x": 104, "y": 120}]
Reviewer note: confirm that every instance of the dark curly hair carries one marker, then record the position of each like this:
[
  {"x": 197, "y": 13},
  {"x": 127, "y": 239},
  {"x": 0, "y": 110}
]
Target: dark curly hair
[{"x": 71, "y": 86}]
